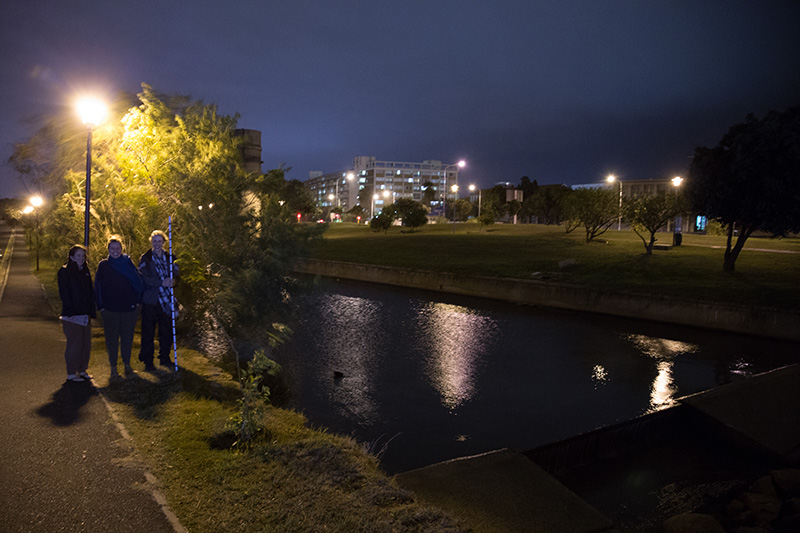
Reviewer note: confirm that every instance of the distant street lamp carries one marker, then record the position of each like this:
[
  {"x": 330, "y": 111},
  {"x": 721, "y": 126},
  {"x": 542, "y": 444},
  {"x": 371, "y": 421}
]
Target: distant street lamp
[
  {"x": 36, "y": 201},
  {"x": 92, "y": 113},
  {"x": 454, "y": 188},
  {"x": 472, "y": 189},
  {"x": 611, "y": 179},
  {"x": 372, "y": 206},
  {"x": 676, "y": 233},
  {"x": 460, "y": 164}
]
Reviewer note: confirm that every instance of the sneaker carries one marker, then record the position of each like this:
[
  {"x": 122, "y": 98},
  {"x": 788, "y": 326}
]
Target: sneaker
[
  {"x": 75, "y": 378},
  {"x": 149, "y": 367},
  {"x": 129, "y": 373},
  {"x": 85, "y": 375}
]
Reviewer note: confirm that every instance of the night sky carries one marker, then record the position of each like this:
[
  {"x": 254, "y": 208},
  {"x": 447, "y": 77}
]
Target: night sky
[{"x": 562, "y": 91}]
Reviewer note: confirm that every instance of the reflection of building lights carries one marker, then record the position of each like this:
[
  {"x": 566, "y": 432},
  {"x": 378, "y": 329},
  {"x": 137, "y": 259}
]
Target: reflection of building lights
[
  {"x": 599, "y": 375},
  {"x": 663, "y": 389},
  {"x": 456, "y": 337},
  {"x": 353, "y": 326}
]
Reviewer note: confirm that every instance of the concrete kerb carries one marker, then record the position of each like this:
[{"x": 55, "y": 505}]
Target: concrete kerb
[{"x": 751, "y": 320}]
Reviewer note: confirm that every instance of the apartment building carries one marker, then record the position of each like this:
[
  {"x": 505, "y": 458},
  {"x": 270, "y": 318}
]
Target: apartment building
[{"x": 379, "y": 183}]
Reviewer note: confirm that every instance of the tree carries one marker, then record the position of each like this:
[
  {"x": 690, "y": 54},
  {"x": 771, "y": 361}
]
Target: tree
[
  {"x": 166, "y": 155},
  {"x": 428, "y": 194},
  {"x": 381, "y": 222},
  {"x": 751, "y": 180},
  {"x": 594, "y": 209},
  {"x": 527, "y": 187},
  {"x": 514, "y": 207},
  {"x": 463, "y": 208},
  {"x": 548, "y": 203},
  {"x": 647, "y": 214},
  {"x": 412, "y": 214},
  {"x": 486, "y": 218}
]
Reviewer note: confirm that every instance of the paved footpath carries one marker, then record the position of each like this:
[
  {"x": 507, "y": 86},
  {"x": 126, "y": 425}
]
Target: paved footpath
[{"x": 64, "y": 464}]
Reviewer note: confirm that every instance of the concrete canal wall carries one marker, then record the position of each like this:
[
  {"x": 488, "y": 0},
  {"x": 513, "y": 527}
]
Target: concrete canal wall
[{"x": 762, "y": 321}]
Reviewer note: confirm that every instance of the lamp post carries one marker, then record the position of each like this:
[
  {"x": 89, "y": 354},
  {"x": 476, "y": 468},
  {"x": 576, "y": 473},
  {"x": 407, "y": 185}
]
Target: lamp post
[
  {"x": 454, "y": 188},
  {"x": 676, "y": 234},
  {"x": 372, "y": 206},
  {"x": 36, "y": 201},
  {"x": 472, "y": 189},
  {"x": 611, "y": 179},
  {"x": 460, "y": 164},
  {"x": 91, "y": 112}
]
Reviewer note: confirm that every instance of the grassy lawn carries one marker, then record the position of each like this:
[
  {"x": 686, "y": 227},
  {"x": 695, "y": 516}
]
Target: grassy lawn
[
  {"x": 294, "y": 478},
  {"x": 614, "y": 261}
]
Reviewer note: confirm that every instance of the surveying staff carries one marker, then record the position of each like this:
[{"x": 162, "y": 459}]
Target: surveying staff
[{"x": 157, "y": 302}]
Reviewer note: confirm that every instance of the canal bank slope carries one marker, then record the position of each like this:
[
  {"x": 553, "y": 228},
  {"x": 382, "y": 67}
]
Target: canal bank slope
[{"x": 769, "y": 322}]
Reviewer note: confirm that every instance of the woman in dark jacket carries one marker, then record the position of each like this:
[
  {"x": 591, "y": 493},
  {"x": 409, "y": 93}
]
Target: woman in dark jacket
[
  {"x": 77, "y": 310},
  {"x": 118, "y": 291}
]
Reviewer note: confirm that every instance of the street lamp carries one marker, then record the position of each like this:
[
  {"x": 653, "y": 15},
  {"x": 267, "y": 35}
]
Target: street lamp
[
  {"x": 460, "y": 164},
  {"x": 454, "y": 188},
  {"x": 611, "y": 179},
  {"x": 36, "y": 201},
  {"x": 372, "y": 206},
  {"x": 472, "y": 189},
  {"x": 676, "y": 233},
  {"x": 91, "y": 112}
]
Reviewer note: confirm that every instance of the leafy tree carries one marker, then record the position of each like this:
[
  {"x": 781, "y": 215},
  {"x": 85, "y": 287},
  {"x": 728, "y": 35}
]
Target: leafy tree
[
  {"x": 751, "y": 180},
  {"x": 595, "y": 209},
  {"x": 527, "y": 187},
  {"x": 548, "y": 203},
  {"x": 463, "y": 208},
  {"x": 381, "y": 222},
  {"x": 234, "y": 232},
  {"x": 428, "y": 194},
  {"x": 647, "y": 214},
  {"x": 486, "y": 218},
  {"x": 412, "y": 214},
  {"x": 514, "y": 207}
]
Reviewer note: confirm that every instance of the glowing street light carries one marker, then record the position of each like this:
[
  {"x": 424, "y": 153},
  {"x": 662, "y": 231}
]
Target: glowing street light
[
  {"x": 611, "y": 179},
  {"x": 676, "y": 233},
  {"x": 472, "y": 189},
  {"x": 35, "y": 201},
  {"x": 460, "y": 164},
  {"x": 92, "y": 112}
]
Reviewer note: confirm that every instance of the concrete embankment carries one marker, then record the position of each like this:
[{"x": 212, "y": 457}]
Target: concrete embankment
[{"x": 751, "y": 320}]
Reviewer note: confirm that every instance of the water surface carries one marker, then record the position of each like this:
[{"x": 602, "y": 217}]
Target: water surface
[{"x": 424, "y": 377}]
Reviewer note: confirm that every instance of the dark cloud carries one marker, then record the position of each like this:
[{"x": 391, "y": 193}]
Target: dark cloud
[{"x": 561, "y": 91}]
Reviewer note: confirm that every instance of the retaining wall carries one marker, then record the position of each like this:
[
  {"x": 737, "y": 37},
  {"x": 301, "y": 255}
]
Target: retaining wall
[{"x": 762, "y": 321}]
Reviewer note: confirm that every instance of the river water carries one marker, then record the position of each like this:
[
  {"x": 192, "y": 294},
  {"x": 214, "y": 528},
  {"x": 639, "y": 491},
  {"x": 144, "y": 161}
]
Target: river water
[{"x": 424, "y": 377}]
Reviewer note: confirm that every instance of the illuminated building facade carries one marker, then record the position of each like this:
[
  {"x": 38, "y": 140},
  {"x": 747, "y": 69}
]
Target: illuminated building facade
[{"x": 386, "y": 180}]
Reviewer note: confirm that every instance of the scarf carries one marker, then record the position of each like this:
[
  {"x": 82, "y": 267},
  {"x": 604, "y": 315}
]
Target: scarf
[
  {"x": 124, "y": 266},
  {"x": 164, "y": 293}
]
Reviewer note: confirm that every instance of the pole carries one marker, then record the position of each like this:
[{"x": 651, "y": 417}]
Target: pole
[
  {"x": 619, "y": 222},
  {"x": 88, "y": 187},
  {"x": 172, "y": 296}
]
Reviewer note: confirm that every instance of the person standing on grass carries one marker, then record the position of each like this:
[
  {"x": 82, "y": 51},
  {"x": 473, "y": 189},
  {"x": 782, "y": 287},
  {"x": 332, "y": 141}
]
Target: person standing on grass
[
  {"x": 157, "y": 302},
  {"x": 118, "y": 290},
  {"x": 77, "y": 312}
]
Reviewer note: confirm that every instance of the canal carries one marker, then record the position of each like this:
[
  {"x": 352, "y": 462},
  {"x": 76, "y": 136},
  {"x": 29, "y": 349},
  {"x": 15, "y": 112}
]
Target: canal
[{"x": 424, "y": 377}]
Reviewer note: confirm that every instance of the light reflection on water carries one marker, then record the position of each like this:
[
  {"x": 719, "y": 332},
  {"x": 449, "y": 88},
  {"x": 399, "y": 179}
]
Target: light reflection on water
[
  {"x": 444, "y": 376},
  {"x": 454, "y": 338},
  {"x": 352, "y": 328},
  {"x": 664, "y": 391}
]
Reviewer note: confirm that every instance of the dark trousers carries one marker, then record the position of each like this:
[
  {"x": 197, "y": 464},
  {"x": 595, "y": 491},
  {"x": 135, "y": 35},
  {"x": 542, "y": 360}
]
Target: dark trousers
[
  {"x": 118, "y": 328},
  {"x": 79, "y": 346},
  {"x": 153, "y": 316}
]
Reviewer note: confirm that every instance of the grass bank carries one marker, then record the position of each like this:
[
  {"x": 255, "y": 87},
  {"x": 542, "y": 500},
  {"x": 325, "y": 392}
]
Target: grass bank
[
  {"x": 292, "y": 478},
  {"x": 615, "y": 261}
]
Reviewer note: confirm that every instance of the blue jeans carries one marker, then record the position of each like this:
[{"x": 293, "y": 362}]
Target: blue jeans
[{"x": 118, "y": 328}]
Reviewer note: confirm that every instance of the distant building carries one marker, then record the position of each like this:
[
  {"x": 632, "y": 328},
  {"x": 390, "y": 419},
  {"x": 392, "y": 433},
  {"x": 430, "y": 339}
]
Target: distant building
[{"x": 386, "y": 180}]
